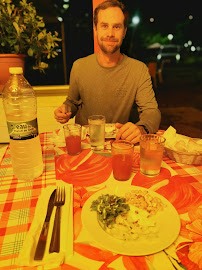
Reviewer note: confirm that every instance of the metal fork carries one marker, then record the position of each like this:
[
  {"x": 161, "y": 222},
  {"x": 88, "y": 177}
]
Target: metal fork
[{"x": 58, "y": 202}]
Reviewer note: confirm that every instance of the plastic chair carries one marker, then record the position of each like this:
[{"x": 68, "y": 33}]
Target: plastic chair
[{"x": 152, "y": 66}]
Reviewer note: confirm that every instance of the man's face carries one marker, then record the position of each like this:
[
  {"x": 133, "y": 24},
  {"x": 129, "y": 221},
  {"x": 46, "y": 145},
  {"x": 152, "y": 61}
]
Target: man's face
[{"x": 110, "y": 29}]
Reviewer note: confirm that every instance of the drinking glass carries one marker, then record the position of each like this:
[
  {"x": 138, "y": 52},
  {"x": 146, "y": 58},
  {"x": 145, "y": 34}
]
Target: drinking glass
[
  {"x": 72, "y": 134},
  {"x": 151, "y": 152},
  {"x": 122, "y": 159},
  {"x": 97, "y": 132}
]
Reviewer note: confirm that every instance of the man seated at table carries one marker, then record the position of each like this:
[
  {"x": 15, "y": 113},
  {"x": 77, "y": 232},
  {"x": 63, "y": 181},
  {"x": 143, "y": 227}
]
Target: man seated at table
[{"x": 111, "y": 83}]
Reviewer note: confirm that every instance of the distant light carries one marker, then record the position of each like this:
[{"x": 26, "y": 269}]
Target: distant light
[
  {"x": 191, "y": 17},
  {"x": 189, "y": 42},
  {"x": 66, "y": 1},
  {"x": 177, "y": 57},
  {"x": 170, "y": 36},
  {"x": 135, "y": 20},
  {"x": 151, "y": 20},
  {"x": 198, "y": 48},
  {"x": 58, "y": 50},
  {"x": 65, "y": 6},
  {"x": 60, "y": 19},
  {"x": 193, "y": 48},
  {"x": 186, "y": 45},
  {"x": 159, "y": 56}
]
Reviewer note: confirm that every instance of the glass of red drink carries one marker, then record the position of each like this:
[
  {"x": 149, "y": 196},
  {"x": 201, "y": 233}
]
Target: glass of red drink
[
  {"x": 151, "y": 153},
  {"x": 122, "y": 159},
  {"x": 72, "y": 134}
]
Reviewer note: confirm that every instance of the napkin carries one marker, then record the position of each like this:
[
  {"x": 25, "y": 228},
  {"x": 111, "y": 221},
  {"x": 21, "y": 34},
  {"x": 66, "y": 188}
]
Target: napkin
[
  {"x": 181, "y": 143},
  {"x": 50, "y": 260}
]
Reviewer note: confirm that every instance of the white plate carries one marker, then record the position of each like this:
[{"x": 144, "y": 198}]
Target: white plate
[{"x": 168, "y": 222}]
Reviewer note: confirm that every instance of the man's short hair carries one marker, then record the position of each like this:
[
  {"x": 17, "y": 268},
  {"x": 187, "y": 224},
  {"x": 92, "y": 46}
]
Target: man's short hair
[{"x": 107, "y": 4}]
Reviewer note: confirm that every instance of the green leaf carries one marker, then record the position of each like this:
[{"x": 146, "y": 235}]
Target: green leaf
[
  {"x": 30, "y": 52},
  {"x": 16, "y": 27},
  {"x": 17, "y": 48},
  {"x": 40, "y": 36}
]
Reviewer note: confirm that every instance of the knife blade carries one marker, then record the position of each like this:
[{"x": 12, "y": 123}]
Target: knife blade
[{"x": 44, "y": 232}]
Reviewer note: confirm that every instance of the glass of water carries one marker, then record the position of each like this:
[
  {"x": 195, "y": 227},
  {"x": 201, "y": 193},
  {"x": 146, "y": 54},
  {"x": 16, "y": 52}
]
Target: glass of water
[{"x": 97, "y": 132}]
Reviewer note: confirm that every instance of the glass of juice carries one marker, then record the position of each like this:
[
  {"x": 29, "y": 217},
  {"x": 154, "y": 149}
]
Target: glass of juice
[
  {"x": 72, "y": 134},
  {"x": 122, "y": 159},
  {"x": 97, "y": 132},
  {"x": 151, "y": 153}
]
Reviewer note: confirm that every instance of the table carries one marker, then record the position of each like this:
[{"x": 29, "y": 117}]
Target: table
[{"x": 178, "y": 183}]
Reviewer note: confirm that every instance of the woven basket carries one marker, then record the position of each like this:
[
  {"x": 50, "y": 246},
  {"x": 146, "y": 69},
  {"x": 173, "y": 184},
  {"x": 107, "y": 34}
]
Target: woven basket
[{"x": 183, "y": 157}]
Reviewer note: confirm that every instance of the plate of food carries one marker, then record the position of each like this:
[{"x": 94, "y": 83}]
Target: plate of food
[
  {"x": 110, "y": 131},
  {"x": 131, "y": 221}
]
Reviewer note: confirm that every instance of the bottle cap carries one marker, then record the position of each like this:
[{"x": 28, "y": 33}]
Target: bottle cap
[{"x": 15, "y": 70}]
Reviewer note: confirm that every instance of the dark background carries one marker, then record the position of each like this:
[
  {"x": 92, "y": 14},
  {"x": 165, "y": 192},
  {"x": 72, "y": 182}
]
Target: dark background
[
  {"x": 169, "y": 17},
  {"x": 179, "y": 95}
]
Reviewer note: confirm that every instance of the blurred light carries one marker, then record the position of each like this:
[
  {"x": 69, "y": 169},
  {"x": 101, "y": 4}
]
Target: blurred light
[
  {"x": 60, "y": 19},
  {"x": 58, "y": 50},
  {"x": 193, "y": 48},
  {"x": 66, "y": 1},
  {"x": 177, "y": 57},
  {"x": 170, "y": 36},
  {"x": 190, "y": 17},
  {"x": 189, "y": 42},
  {"x": 159, "y": 56},
  {"x": 65, "y": 6},
  {"x": 151, "y": 19},
  {"x": 186, "y": 45},
  {"x": 198, "y": 48},
  {"x": 135, "y": 20}
]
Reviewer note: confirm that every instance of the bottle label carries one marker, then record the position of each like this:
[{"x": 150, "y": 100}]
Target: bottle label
[{"x": 23, "y": 130}]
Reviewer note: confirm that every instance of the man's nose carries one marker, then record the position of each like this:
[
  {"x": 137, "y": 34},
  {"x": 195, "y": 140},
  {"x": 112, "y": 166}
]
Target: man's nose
[{"x": 110, "y": 32}]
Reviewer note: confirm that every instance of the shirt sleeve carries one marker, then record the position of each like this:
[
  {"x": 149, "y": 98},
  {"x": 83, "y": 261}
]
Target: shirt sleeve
[
  {"x": 149, "y": 114},
  {"x": 73, "y": 99}
]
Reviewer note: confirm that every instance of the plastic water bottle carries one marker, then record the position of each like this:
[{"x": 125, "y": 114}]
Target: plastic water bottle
[{"x": 20, "y": 107}]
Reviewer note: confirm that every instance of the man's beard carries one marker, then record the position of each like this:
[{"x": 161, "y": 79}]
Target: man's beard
[{"x": 108, "y": 49}]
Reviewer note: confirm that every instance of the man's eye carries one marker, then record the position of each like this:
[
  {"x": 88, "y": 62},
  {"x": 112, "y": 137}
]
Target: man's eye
[{"x": 104, "y": 26}]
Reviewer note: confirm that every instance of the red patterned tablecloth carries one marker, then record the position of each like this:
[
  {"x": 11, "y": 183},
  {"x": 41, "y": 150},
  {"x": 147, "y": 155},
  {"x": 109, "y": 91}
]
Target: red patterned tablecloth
[{"x": 89, "y": 172}]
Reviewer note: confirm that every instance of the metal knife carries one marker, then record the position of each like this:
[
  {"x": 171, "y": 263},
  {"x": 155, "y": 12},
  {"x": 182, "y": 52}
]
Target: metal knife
[{"x": 44, "y": 232}]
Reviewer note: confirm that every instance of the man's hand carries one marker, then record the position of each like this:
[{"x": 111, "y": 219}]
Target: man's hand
[
  {"x": 62, "y": 114},
  {"x": 129, "y": 132}
]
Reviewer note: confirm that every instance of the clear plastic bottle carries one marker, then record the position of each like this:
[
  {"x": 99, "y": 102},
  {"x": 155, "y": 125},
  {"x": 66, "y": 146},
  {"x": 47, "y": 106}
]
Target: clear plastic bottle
[{"x": 20, "y": 107}]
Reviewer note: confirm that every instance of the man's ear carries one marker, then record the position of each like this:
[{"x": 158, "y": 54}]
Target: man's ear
[
  {"x": 125, "y": 30},
  {"x": 95, "y": 30}
]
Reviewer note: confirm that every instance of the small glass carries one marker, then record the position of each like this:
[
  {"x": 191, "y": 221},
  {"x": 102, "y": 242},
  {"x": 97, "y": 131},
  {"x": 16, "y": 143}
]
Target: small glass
[
  {"x": 97, "y": 132},
  {"x": 122, "y": 159},
  {"x": 151, "y": 153},
  {"x": 72, "y": 134}
]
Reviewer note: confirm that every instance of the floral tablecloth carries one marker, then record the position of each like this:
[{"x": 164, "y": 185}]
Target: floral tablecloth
[{"x": 89, "y": 172}]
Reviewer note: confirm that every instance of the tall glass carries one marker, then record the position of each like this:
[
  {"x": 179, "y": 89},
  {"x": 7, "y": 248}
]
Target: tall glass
[
  {"x": 97, "y": 132},
  {"x": 72, "y": 134},
  {"x": 151, "y": 153},
  {"x": 122, "y": 159}
]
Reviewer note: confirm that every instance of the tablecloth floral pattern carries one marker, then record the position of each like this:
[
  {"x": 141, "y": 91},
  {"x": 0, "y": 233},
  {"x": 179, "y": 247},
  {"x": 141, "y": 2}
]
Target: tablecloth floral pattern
[{"x": 89, "y": 172}]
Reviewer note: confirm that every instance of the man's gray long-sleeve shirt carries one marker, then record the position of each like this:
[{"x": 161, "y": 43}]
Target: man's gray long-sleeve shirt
[{"x": 111, "y": 91}]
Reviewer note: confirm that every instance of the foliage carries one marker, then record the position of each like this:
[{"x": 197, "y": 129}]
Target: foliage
[{"x": 22, "y": 31}]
